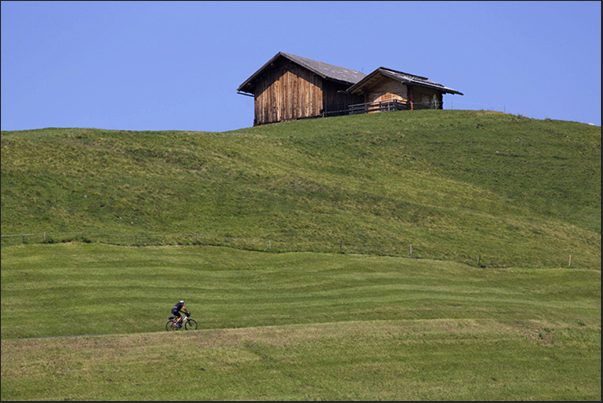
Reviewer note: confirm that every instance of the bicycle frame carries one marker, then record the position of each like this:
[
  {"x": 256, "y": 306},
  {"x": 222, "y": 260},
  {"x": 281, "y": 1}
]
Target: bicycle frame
[{"x": 186, "y": 323}]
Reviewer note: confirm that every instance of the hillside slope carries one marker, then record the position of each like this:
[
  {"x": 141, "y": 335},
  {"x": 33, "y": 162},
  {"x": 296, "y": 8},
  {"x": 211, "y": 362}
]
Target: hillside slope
[{"x": 453, "y": 184}]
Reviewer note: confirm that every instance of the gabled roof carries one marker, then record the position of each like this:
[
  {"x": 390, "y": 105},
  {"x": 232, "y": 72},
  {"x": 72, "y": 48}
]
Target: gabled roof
[
  {"x": 326, "y": 71},
  {"x": 404, "y": 78}
]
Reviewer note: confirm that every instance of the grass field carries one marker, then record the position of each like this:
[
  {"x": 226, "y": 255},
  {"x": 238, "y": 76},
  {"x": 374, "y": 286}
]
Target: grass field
[
  {"x": 291, "y": 245},
  {"x": 453, "y": 184},
  {"x": 292, "y": 326},
  {"x": 368, "y": 360}
]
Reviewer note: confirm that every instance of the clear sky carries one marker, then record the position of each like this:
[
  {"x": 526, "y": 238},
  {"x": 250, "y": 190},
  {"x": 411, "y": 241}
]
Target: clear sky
[{"x": 177, "y": 65}]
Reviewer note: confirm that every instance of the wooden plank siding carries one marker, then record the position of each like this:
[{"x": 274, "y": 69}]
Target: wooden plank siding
[
  {"x": 387, "y": 90},
  {"x": 422, "y": 97},
  {"x": 288, "y": 91},
  {"x": 336, "y": 99}
]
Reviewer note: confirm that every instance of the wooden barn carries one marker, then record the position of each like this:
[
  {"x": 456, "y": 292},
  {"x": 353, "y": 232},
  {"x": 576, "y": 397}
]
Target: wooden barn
[
  {"x": 291, "y": 87},
  {"x": 408, "y": 91}
]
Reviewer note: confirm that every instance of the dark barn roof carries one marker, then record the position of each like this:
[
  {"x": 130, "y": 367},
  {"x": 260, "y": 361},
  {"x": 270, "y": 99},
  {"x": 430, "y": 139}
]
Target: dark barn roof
[
  {"x": 326, "y": 71},
  {"x": 404, "y": 78}
]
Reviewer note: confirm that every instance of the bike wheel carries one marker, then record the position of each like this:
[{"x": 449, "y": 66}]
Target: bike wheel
[
  {"x": 171, "y": 325},
  {"x": 190, "y": 324}
]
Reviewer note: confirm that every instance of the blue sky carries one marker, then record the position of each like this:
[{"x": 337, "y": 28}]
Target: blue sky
[{"x": 177, "y": 65}]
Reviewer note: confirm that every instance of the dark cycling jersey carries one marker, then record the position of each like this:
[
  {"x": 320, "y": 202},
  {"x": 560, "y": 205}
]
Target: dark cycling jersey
[{"x": 177, "y": 307}]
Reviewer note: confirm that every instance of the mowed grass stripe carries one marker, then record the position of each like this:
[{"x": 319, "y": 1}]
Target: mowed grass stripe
[
  {"x": 66, "y": 289},
  {"x": 366, "y": 360}
]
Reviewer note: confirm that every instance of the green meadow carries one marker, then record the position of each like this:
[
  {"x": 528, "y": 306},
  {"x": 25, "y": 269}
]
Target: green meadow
[
  {"x": 453, "y": 184},
  {"x": 291, "y": 245},
  {"x": 295, "y": 326}
]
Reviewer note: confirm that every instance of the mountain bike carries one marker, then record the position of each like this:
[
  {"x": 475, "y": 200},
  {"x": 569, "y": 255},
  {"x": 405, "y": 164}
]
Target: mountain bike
[{"x": 186, "y": 324}]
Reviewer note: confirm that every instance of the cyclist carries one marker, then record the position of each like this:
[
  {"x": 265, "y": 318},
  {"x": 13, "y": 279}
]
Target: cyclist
[{"x": 176, "y": 312}]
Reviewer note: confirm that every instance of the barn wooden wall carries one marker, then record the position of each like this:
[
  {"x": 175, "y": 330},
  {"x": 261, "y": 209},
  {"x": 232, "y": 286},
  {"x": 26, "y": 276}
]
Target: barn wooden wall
[
  {"x": 387, "y": 90},
  {"x": 334, "y": 100},
  {"x": 421, "y": 95},
  {"x": 288, "y": 91}
]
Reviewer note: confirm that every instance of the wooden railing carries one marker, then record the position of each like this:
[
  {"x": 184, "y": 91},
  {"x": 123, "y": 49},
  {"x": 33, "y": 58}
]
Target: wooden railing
[
  {"x": 390, "y": 105},
  {"x": 382, "y": 106}
]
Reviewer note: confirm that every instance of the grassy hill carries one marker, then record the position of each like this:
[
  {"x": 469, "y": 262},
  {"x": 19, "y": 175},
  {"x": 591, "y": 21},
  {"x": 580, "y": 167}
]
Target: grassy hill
[
  {"x": 292, "y": 326},
  {"x": 364, "y": 323},
  {"x": 453, "y": 184}
]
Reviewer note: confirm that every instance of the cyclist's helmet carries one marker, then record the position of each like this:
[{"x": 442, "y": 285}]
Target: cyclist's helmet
[{"x": 182, "y": 302}]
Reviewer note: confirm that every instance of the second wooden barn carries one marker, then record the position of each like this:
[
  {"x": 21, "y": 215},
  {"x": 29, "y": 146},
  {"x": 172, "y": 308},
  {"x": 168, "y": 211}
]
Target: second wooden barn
[
  {"x": 409, "y": 91},
  {"x": 291, "y": 87}
]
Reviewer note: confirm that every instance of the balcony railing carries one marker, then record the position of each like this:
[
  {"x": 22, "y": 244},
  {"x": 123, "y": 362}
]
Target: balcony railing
[{"x": 382, "y": 106}]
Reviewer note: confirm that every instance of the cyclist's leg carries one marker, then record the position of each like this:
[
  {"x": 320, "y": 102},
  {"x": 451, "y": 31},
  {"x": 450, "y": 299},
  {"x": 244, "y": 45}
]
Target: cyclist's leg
[{"x": 178, "y": 318}]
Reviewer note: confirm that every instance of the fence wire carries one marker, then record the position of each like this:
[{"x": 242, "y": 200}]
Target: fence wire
[
  {"x": 380, "y": 247},
  {"x": 277, "y": 246},
  {"x": 403, "y": 105}
]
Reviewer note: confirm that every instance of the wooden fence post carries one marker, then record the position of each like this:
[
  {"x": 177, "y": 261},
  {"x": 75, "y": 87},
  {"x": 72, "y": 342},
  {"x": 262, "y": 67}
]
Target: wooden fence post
[
  {"x": 570, "y": 261},
  {"x": 410, "y": 250},
  {"x": 270, "y": 244},
  {"x": 479, "y": 259},
  {"x": 44, "y": 236}
]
